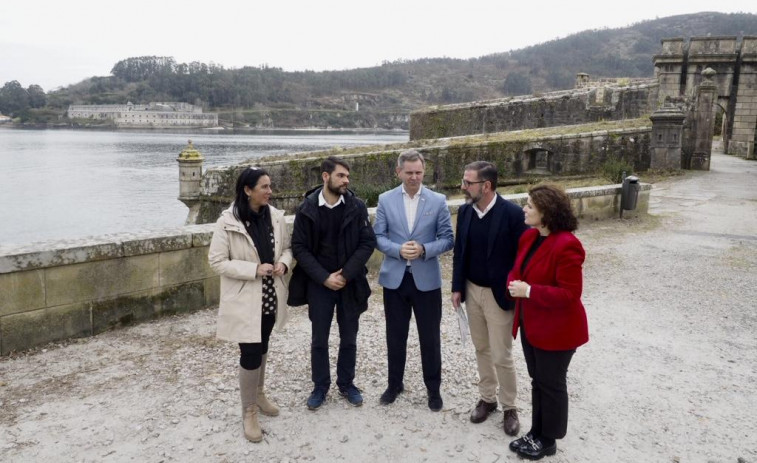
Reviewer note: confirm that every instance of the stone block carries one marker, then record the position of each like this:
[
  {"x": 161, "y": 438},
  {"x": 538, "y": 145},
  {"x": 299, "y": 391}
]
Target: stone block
[
  {"x": 201, "y": 234},
  {"x": 22, "y": 291},
  {"x": 212, "y": 291},
  {"x": 597, "y": 207},
  {"x": 157, "y": 243},
  {"x": 55, "y": 253},
  {"x": 101, "y": 280},
  {"x": 25, "y": 330},
  {"x": 185, "y": 265},
  {"x": 182, "y": 298},
  {"x": 124, "y": 310}
]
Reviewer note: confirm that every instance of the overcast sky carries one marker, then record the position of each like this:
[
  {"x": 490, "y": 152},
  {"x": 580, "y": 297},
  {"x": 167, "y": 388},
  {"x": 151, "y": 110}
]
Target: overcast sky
[{"x": 59, "y": 42}]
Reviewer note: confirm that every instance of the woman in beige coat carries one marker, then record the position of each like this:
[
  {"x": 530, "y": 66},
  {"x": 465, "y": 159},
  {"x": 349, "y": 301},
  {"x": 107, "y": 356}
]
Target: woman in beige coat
[{"x": 251, "y": 251}]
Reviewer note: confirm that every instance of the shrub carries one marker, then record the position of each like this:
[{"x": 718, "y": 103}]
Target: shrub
[{"x": 612, "y": 169}]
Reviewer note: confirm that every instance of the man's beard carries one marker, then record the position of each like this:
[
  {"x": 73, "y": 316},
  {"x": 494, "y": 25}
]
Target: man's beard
[
  {"x": 470, "y": 199},
  {"x": 336, "y": 190}
]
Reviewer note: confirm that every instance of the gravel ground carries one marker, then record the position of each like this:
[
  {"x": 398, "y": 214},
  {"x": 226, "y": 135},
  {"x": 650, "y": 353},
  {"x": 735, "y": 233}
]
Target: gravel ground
[{"x": 668, "y": 376}]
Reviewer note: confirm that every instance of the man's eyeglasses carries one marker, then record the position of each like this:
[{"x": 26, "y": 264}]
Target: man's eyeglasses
[{"x": 467, "y": 184}]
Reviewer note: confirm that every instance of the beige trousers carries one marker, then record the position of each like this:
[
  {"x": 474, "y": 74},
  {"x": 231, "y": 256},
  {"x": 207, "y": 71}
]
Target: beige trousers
[{"x": 490, "y": 329}]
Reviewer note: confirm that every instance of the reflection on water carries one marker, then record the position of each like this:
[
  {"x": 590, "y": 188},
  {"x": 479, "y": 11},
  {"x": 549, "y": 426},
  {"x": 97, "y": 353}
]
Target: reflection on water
[{"x": 68, "y": 184}]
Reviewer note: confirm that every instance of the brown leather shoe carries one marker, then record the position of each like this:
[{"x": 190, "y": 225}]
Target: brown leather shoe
[
  {"x": 482, "y": 411},
  {"x": 511, "y": 424}
]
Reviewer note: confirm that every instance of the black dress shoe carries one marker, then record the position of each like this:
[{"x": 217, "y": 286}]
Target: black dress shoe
[
  {"x": 534, "y": 449},
  {"x": 435, "y": 402},
  {"x": 519, "y": 442},
  {"x": 482, "y": 411},
  {"x": 390, "y": 394}
]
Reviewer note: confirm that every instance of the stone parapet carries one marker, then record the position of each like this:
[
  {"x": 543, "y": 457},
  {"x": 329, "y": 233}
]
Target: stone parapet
[
  {"x": 56, "y": 291},
  {"x": 583, "y": 105},
  {"x": 520, "y": 156}
]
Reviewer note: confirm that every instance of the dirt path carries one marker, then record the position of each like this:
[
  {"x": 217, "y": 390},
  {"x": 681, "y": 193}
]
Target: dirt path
[{"x": 668, "y": 376}]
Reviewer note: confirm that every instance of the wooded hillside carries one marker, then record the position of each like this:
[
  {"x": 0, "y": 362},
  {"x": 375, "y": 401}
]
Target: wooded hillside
[{"x": 385, "y": 94}]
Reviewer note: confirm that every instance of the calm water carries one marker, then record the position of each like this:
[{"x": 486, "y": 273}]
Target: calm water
[{"x": 69, "y": 184}]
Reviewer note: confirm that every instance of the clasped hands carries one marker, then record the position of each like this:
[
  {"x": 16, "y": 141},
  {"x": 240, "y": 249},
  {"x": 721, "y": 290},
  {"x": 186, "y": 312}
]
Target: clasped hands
[
  {"x": 277, "y": 269},
  {"x": 411, "y": 250},
  {"x": 518, "y": 288},
  {"x": 335, "y": 281}
]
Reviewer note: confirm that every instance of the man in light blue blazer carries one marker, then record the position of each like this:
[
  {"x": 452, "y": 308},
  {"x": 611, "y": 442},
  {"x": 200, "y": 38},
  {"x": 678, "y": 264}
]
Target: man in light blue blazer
[{"x": 413, "y": 227}]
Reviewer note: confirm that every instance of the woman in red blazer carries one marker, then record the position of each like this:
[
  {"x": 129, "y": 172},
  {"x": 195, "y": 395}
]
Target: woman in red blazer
[{"x": 546, "y": 283}]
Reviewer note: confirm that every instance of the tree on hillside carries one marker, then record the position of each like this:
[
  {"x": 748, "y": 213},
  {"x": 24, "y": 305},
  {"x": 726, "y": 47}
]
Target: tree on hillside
[
  {"x": 517, "y": 83},
  {"x": 143, "y": 67},
  {"x": 37, "y": 97},
  {"x": 13, "y": 98}
]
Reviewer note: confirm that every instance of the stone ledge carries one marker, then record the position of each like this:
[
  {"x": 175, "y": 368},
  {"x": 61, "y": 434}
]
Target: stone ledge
[{"x": 66, "y": 252}]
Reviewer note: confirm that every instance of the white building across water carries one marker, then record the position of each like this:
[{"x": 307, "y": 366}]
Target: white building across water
[{"x": 156, "y": 115}]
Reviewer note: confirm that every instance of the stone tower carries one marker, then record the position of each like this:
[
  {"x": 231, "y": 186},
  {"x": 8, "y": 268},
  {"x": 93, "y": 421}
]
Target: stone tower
[{"x": 190, "y": 174}]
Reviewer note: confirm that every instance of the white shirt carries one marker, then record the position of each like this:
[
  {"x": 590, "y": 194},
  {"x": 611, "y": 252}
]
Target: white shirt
[
  {"x": 411, "y": 206},
  {"x": 481, "y": 214},
  {"x": 322, "y": 201}
]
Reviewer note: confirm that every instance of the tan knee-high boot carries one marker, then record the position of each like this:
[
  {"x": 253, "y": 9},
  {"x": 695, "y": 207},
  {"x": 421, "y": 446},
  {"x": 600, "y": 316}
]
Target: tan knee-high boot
[
  {"x": 266, "y": 406},
  {"x": 248, "y": 386}
]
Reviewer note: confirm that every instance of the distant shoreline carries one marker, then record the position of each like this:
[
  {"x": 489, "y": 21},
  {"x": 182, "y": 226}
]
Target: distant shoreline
[{"x": 204, "y": 130}]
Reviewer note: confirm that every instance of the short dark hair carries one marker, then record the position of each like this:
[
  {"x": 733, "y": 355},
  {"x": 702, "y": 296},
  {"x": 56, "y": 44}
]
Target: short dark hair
[
  {"x": 329, "y": 164},
  {"x": 248, "y": 177},
  {"x": 554, "y": 204},
  {"x": 486, "y": 171},
  {"x": 410, "y": 155}
]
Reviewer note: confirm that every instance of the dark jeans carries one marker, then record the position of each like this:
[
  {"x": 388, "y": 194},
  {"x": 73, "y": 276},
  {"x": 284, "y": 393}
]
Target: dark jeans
[
  {"x": 399, "y": 304},
  {"x": 251, "y": 354},
  {"x": 548, "y": 370},
  {"x": 321, "y": 303}
]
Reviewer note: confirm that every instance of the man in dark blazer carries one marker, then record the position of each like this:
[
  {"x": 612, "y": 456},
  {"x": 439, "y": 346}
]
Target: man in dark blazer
[{"x": 486, "y": 243}]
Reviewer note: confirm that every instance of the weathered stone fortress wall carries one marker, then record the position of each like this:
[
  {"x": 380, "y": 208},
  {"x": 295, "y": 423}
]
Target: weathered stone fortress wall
[
  {"x": 65, "y": 290},
  {"x": 524, "y": 156},
  {"x": 68, "y": 290},
  {"x": 601, "y": 102}
]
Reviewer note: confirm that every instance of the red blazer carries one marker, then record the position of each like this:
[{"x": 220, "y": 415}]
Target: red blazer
[{"x": 554, "y": 316}]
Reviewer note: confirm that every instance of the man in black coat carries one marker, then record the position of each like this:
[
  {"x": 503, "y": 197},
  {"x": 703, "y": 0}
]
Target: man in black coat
[
  {"x": 332, "y": 241},
  {"x": 486, "y": 243}
]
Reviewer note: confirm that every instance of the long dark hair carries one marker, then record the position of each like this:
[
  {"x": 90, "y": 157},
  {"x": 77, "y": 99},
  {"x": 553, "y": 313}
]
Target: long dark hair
[
  {"x": 248, "y": 178},
  {"x": 554, "y": 204}
]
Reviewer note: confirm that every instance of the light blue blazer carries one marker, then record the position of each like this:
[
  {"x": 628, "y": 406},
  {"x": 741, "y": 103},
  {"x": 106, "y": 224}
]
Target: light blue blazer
[{"x": 433, "y": 229}]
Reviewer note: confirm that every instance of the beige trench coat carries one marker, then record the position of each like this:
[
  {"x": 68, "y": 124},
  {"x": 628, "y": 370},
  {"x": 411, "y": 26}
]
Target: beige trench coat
[{"x": 233, "y": 255}]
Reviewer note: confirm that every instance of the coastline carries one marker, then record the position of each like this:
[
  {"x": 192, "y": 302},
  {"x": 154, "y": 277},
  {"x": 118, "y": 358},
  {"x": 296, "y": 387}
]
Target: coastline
[{"x": 206, "y": 130}]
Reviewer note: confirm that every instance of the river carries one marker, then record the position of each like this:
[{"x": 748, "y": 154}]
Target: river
[{"x": 61, "y": 184}]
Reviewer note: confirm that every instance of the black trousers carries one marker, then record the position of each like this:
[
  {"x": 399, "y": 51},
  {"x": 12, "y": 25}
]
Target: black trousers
[
  {"x": 548, "y": 370},
  {"x": 321, "y": 303},
  {"x": 251, "y": 354},
  {"x": 399, "y": 304}
]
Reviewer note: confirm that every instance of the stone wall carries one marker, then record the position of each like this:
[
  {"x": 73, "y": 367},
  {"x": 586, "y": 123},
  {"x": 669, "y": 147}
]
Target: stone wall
[
  {"x": 600, "y": 103},
  {"x": 53, "y": 292},
  {"x": 745, "y": 110},
  {"x": 679, "y": 69},
  {"x": 56, "y": 291},
  {"x": 521, "y": 157}
]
